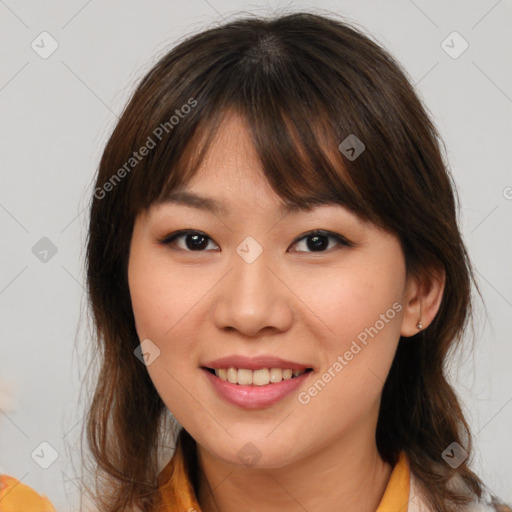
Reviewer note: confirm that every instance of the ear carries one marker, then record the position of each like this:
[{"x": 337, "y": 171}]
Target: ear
[{"x": 423, "y": 297}]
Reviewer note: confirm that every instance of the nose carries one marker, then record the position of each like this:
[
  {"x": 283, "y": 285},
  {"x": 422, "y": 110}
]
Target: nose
[{"x": 252, "y": 299}]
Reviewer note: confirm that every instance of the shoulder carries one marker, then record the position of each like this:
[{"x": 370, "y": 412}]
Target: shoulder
[{"x": 18, "y": 497}]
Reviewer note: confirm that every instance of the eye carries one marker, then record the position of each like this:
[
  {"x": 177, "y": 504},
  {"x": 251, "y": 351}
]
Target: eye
[
  {"x": 318, "y": 240},
  {"x": 193, "y": 240},
  {"x": 315, "y": 241}
]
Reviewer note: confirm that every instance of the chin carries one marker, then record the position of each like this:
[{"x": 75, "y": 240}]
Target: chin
[{"x": 262, "y": 454}]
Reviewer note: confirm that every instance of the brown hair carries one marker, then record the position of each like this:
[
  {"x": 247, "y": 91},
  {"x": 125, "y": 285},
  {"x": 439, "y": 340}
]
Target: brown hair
[{"x": 304, "y": 83}]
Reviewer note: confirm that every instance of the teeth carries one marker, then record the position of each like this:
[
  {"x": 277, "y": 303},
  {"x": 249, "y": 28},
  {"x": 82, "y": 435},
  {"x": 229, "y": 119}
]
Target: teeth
[
  {"x": 246, "y": 377},
  {"x": 276, "y": 375},
  {"x": 232, "y": 375}
]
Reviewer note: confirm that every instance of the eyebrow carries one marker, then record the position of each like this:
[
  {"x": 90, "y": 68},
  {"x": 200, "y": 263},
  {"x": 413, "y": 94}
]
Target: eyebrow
[{"x": 209, "y": 204}]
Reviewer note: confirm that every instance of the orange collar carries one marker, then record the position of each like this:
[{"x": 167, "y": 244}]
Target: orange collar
[
  {"x": 177, "y": 492},
  {"x": 174, "y": 485},
  {"x": 396, "y": 494}
]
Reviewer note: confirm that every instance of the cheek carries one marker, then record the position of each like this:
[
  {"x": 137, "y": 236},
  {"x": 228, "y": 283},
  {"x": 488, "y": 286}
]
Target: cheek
[
  {"x": 161, "y": 299},
  {"x": 355, "y": 365},
  {"x": 351, "y": 300},
  {"x": 161, "y": 296},
  {"x": 147, "y": 296},
  {"x": 362, "y": 308}
]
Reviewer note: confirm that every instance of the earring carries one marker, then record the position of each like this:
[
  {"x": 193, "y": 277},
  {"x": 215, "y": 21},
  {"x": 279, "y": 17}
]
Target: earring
[{"x": 420, "y": 325}]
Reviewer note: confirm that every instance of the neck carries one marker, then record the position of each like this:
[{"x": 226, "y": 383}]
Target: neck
[{"x": 348, "y": 471}]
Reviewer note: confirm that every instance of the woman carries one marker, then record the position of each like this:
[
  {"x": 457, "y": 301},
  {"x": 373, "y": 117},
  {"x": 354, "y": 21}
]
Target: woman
[{"x": 276, "y": 277}]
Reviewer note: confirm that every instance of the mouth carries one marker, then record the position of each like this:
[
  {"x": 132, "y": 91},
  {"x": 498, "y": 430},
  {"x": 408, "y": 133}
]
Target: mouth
[
  {"x": 256, "y": 388},
  {"x": 258, "y": 377}
]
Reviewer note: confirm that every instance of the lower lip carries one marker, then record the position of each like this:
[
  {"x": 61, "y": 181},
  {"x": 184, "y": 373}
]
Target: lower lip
[{"x": 255, "y": 397}]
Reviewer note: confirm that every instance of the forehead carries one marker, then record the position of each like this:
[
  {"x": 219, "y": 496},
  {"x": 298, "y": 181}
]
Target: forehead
[
  {"x": 231, "y": 174},
  {"x": 234, "y": 164},
  {"x": 230, "y": 171},
  {"x": 231, "y": 159}
]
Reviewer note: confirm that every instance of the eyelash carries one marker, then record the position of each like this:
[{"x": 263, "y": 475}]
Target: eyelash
[{"x": 342, "y": 241}]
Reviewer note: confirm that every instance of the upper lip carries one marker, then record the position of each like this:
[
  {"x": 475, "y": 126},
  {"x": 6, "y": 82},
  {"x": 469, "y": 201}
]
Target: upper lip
[{"x": 254, "y": 363}]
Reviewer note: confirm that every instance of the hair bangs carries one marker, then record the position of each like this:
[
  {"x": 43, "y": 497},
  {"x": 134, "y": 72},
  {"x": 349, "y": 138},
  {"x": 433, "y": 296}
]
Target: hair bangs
[{"x": 297, "y": 147}]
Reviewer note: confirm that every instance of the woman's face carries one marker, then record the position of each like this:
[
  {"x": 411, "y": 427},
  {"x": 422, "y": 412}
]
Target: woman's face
[{"x": 255, "y": 286}]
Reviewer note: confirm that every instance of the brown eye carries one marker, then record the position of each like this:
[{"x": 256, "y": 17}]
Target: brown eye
[
  {"x": 315, "y": 241},
  {"x": 189, "y": 240},
  {"x": 318, "y": 241}
]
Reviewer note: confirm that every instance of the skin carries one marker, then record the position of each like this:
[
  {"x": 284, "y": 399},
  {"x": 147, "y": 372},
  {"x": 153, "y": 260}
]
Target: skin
[{"x": 307, "y": 306}]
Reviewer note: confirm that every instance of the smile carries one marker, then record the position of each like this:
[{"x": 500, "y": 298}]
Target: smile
[
  {"x": 261, "y": 377},
  {"x": 253, "y": 395}
]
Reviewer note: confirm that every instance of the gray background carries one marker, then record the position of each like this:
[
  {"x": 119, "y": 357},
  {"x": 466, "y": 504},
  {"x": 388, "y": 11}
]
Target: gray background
[{"x": 57, "y": 113}]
